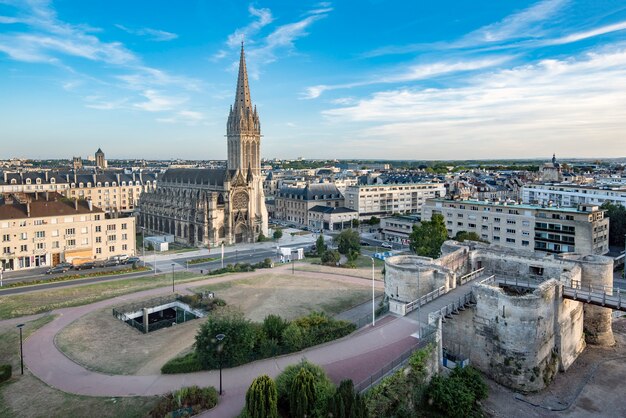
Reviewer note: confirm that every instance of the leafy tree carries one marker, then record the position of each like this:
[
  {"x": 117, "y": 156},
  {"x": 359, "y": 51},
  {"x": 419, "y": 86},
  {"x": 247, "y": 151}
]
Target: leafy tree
[
  {"x": 261, "y": 237},
  {"x": 237, "y": 346},
  {"x": 348, "y": 243},
  {"x": 345, "y": 403},
  {"x": 373, "y": 221},
  {"x": 331, "y": 257},
  {"x": 324, "y": 388},
  {"x": 468, "y": 236},
  {"x": 302, "y": 395},
  {"x": 320, "y": 245},
  {"x": 617, "y": 223},
  {"x": 262, "y": 398},
  {"x": 278, "y": 234},
  {"x": 273, "y": 326},
  {"x": 355, "y": 223},
  {"x": 427, "y": 238},
  {"x": 292, "y": 337}
]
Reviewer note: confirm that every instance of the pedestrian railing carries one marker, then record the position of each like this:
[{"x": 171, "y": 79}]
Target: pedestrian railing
[
  {"x": 454, "y": 307},
  {"x": 470, "y": 276},
  {"x": 429, "y": 297}
]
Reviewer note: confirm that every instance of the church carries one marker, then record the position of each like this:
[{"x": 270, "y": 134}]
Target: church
[{"x": 207, "y": 207}]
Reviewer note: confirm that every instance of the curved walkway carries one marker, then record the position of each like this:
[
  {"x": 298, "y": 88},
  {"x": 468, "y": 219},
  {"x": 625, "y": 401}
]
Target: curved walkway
[{"x": 355, "y": 356}]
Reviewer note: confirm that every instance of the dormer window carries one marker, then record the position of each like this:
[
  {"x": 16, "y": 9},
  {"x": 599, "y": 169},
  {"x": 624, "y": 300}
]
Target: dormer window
[
  {"x": 99, "y": 184},
  {"x": 113, "y": 184},
  {"x": 88, "y": 184},
  {"x": 38, "y": 181},
  {"x": 13, "y": 181},
  {"x": 27, "y": 181},
  {"x": 81, "y": 185},
  {"x": 73, "y": 185},
  {"x": 52, "y": 180},
  {"x": 106, "y": 184}
]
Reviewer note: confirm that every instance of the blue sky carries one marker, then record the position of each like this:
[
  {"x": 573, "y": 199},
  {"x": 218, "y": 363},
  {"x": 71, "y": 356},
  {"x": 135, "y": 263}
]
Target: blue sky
[{"x": 350, "y": 79}]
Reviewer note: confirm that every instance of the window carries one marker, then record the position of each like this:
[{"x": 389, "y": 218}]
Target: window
[
  {"x": 38, "y": 222},
  {"x": 496, "y": 238},
  {"x": 98, "y": 240},
  {"x": 496, "y": 228},
  {"x": 525, "y": 243},
  {"x": 110, "y": 227},
  {"x": 40, "y": 234},
  {"x": 6, "y": 250},
  {"x": 6, "y": 237},
  {"x": 124, "y": 247},
  {"x": 112, "y": 237},
  {"x": 23, "y": 248},
  {"x": 510, "y": 231},
  {"x": 71, "y": 242},
  {"x": 83, "y": 230},
  {"x": 124, "y": 237},
  {"x": 511, "y": 240},
  {"x": 55, "y": 233},
  {"x": 55, "y": 244},
  {"x": 496, "y": 219},
  {"x": 98, "y": 228},
  {"x": 124, "y": 226},
  {"x": 98, "y": 250},
  {"x": 112, "y": 248},
  {"x": 70, "y": 231},
  {"x": 510, "y": 221},
  {"x": 84, "y": 241},
  {"x": 41, "y": 245},
  {"x": 23, "y": 235}
]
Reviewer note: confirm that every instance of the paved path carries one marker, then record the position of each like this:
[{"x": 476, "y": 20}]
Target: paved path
[{"x": 356, "y": 356}]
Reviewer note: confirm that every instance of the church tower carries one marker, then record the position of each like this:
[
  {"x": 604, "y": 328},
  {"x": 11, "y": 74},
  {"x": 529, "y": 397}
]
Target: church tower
[{"x": 243, "y": 128}]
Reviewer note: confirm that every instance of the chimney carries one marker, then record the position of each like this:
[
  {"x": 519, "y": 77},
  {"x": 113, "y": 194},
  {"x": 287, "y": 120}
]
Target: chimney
[
  {"x": 47, "y": 196},
  {"x": 76, "y": 204},
  {"x": 90, "y": 204},
  {"x": 28, "y": 209}
]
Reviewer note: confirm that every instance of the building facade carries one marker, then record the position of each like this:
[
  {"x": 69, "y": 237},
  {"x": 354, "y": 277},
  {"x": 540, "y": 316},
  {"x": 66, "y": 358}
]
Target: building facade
[
  {"x": 386, "y": 199},
  {"x": 331, "y": 218},
  {"x": 42, "y": 232},
  {"x": 292, "y": 204},
  {"x": 397, "y": 228},
  {"x": 573, "y": 195},
  {"x": 206, "y": 207},
  {"x": 582, "y": 230}
]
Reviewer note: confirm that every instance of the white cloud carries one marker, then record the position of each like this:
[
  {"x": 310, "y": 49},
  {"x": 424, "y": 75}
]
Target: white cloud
[
  {"x": 575, "y": 105},
  {"x": 579, "y": 36},
  {"x": 152, "y": 34},
  {"x": 188, "y": 117},
  {"x": 157, "y": 102},
  {"x": 263, "y": 18}
]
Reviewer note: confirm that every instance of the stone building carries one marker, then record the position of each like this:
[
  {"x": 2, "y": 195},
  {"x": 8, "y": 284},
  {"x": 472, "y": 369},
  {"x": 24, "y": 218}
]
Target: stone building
[
  {"x": 210, "y": 206},
  {"x": 44, "y": 229},
  {"x": 519, "y": 336},
  {"x": 101, "y": 163},
  {"x": 292, "y": 204}
]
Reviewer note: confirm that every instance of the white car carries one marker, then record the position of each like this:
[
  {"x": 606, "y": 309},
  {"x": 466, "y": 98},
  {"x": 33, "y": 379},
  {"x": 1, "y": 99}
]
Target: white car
[{"x": 386, "y": 245}]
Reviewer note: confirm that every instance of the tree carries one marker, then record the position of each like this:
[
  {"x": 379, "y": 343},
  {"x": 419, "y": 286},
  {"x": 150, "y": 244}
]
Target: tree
[
  {"x": 261, "y": 237},
  {"x": 262, "y": 398},
  {"x": 468, "y": 236},
  {"x": 331, "y": 257},
  {"x": 302, "y": 394},
  {"x": 427, "y": 238},
  {"x": 278, "y": 234},
  {"x": 349, "y": 243},
  {"x": 373, "y": 221},
  {"x": 320, "y": 245},
  {"x": 273, "y": 326},
  {"x": 237, "y": 346},
  {"x": 323, "y": 386},
  {"x": 355, "y": 223},
  {"x": 345, "y": 403},
  {"x": 617, "y": 223}
]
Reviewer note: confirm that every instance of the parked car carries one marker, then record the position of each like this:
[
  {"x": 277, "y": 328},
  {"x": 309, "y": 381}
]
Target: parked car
[
  {"x": 66, "y": 265},
  {"x": 120, "y": 258},
  {"x": 84, "y": 266},
  {"x": 386, "y": 245},
  {"x": 132, "y": 260},
  {"x": 57, "y": 269},
  {"x": 364, "y": 244},
  {"x": 110, "y": 262}
]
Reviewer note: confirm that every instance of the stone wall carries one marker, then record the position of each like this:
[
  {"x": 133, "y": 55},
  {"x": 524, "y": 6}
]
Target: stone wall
[{"x": 408, "y": 277}]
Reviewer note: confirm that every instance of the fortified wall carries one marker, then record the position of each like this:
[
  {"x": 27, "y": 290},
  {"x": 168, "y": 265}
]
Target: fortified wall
[{"x": 518, "y": 336}]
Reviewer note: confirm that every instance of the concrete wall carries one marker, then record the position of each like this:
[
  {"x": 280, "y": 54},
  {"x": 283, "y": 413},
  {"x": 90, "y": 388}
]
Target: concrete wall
[{"x": 408, "y": 277}]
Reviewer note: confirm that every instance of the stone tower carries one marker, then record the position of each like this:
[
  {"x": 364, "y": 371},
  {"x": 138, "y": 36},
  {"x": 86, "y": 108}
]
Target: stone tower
[
  {"x": 100, "y": 161},
  {"x": 243, "y": 128}
]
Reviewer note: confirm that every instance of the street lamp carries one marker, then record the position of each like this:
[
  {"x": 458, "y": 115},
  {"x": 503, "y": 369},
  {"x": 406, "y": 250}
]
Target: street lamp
[
  {"x": 220, "y": 347},
  {"x": 173, "y": 277},
  {"x": 20, "y": 326},
  {"x": 373, "y": 304},
  {"x": 143, "y": 245}
]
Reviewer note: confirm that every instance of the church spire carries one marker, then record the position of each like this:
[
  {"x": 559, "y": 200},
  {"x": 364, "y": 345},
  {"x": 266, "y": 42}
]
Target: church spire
[{"x": 242, "y": 97}]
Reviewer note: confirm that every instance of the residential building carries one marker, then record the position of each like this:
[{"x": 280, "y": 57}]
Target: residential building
[
  {"x": 573, "y": 195},
  {"x": 583, "y": 230},
  {"x": 331, "y": 218},
  {"x": 398, "y": 228},
  {"x": 42, "y": 230},
  {"x": 292, "y": 204},
  {"x": 386, "y": 199}
]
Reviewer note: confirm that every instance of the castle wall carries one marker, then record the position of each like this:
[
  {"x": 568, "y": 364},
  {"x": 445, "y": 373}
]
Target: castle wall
[{"x": 409, "y": 277}]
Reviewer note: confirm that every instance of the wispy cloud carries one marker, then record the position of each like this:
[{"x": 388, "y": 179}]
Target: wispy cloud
[
  {"x": 187, "y": 117},
  {"x": 157, "y": 102},
  {"x": 262, "y": 18},
  {"x": 579, "y": 36},
  {"x": 524, "y": 110},
  {"x": 412, "y": 73},
  {"x": 152, "y": 34}
]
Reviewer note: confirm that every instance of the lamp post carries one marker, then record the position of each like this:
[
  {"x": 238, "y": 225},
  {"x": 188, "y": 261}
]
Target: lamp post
[
  {"x": 236, "y": 256},
  {"x": 373, "y": 297},
  {"x": 143, "y": 245},
  {"x": 20, "y": 326},
  {"x": 172, "y": 277},
  {"x": 155, "y": 261},
  {"x": 220, "y": 347}
]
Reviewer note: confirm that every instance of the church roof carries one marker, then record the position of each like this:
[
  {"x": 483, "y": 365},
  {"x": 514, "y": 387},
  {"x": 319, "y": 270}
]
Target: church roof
[
  {"x": 195, "y": 175},
  {"x": 242, "y": 97},
  {"x": 99, "y": 151}
]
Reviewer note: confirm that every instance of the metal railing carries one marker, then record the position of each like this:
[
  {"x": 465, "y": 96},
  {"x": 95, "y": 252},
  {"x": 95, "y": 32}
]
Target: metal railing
[
  {"x": 428, "y": 297},
  {"x": 454, "y": 307},
  {"x": 429, "y": 333},
  {"x": 367, "y": 319}
]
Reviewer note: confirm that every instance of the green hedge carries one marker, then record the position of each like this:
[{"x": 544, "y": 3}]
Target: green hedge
[
  {"x": 5, "y": 372},
  {"x": 186, "y": 364},
  {"x": 193, "y": 398},
  {"x": 243, "y": 267}
]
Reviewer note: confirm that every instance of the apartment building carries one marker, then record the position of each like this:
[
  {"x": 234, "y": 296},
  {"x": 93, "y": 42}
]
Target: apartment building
[
  {"x": 398, "y": 228},
  {"x": 553, "y": 229},
  {"x": 36, "y": 231},
  {"x": 386, "y": 199},
  {"x": 113, "y": 191},
  {"x": 292, "y": 204},
  {"x": 573, "y": 195}
]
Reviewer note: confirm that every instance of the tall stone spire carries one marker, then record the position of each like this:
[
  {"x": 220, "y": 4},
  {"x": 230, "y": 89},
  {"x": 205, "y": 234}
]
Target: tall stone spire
[{"x": 243, "y": 128}]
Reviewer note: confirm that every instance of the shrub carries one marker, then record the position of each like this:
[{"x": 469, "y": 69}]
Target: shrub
[
  {"x": 198, "y": 399},
  {"x": 331, "y": 257},
  {"x": 348, "y": 242},
  {"x": 6, "y": 370},
  {"x": 196, "y": 302},
  {"x": 274, "y": 325},
  {"x": 262, "y": 398},
  {"x": 188, "y": 363},
  {"x": 457, "y": 395},
  {"x": 345, "y": 403},
  {"x": 278, "y": 234},
  {"x": 302, "y": 394},
  {"x": 320, "y": 246},
  {"x": 237, "y": 346},
  {"x": 323, "y": 386},
  {"x": 292, "y": 337},
  {"x": 261, "y": 237}
]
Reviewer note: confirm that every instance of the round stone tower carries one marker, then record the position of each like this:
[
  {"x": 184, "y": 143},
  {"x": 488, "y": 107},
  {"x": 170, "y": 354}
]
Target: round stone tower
[{"x": 597, "y": 271}]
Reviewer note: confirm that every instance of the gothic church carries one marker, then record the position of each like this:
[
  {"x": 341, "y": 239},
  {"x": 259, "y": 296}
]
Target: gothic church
[{"x": 205, "y": 207}]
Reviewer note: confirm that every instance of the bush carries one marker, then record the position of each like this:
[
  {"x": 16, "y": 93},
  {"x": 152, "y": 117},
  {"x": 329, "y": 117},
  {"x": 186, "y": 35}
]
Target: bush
[
  {"x": 6, "y": 370},
  {"x": 348, "y": 243},
  {"x": 196, "y": 302},
  {"x": 261, "y": 237},
  {"x": 186, "y": 364},
  {"x": 237, "y": 346},
  {"x": 302, "y": 395},
  {"x": 198, "y": 399},
  {"x": 273, "y": 326},
  {"x": 278, "y": 234},
  {"x": 262, "y": 398},
  {"x": 345, "y": 403},
  {"x": 457, "y": 395},
  {"x": 331, "y": 257},
  {"x": 320, "y": 246},
  {"x": 323, "y": 387},
  {"x": 292, "y": 338}
]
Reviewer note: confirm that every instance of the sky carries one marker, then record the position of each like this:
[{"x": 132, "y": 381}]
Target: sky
[{"x": 375, "y": 79}]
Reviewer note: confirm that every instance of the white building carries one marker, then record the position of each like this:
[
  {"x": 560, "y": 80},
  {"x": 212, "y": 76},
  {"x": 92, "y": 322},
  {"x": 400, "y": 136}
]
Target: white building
[{"x": 573, "y": 195}]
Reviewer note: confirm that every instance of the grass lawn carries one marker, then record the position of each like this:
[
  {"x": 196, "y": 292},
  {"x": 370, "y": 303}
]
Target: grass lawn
[
  {"x": 43, "y": 301},
  {"x": 27, "y": 396},
  {"x": 202, "y": 260},
  {"x": 78, "y": 276},
  {"x": 363, "y": 267},
  {"x": 102, "y": 343}
]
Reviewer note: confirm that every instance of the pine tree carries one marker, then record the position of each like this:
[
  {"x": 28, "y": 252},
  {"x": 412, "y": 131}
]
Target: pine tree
[
  {"x": 262, "y": 398},
  {"x": 302, "y": 395}
]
